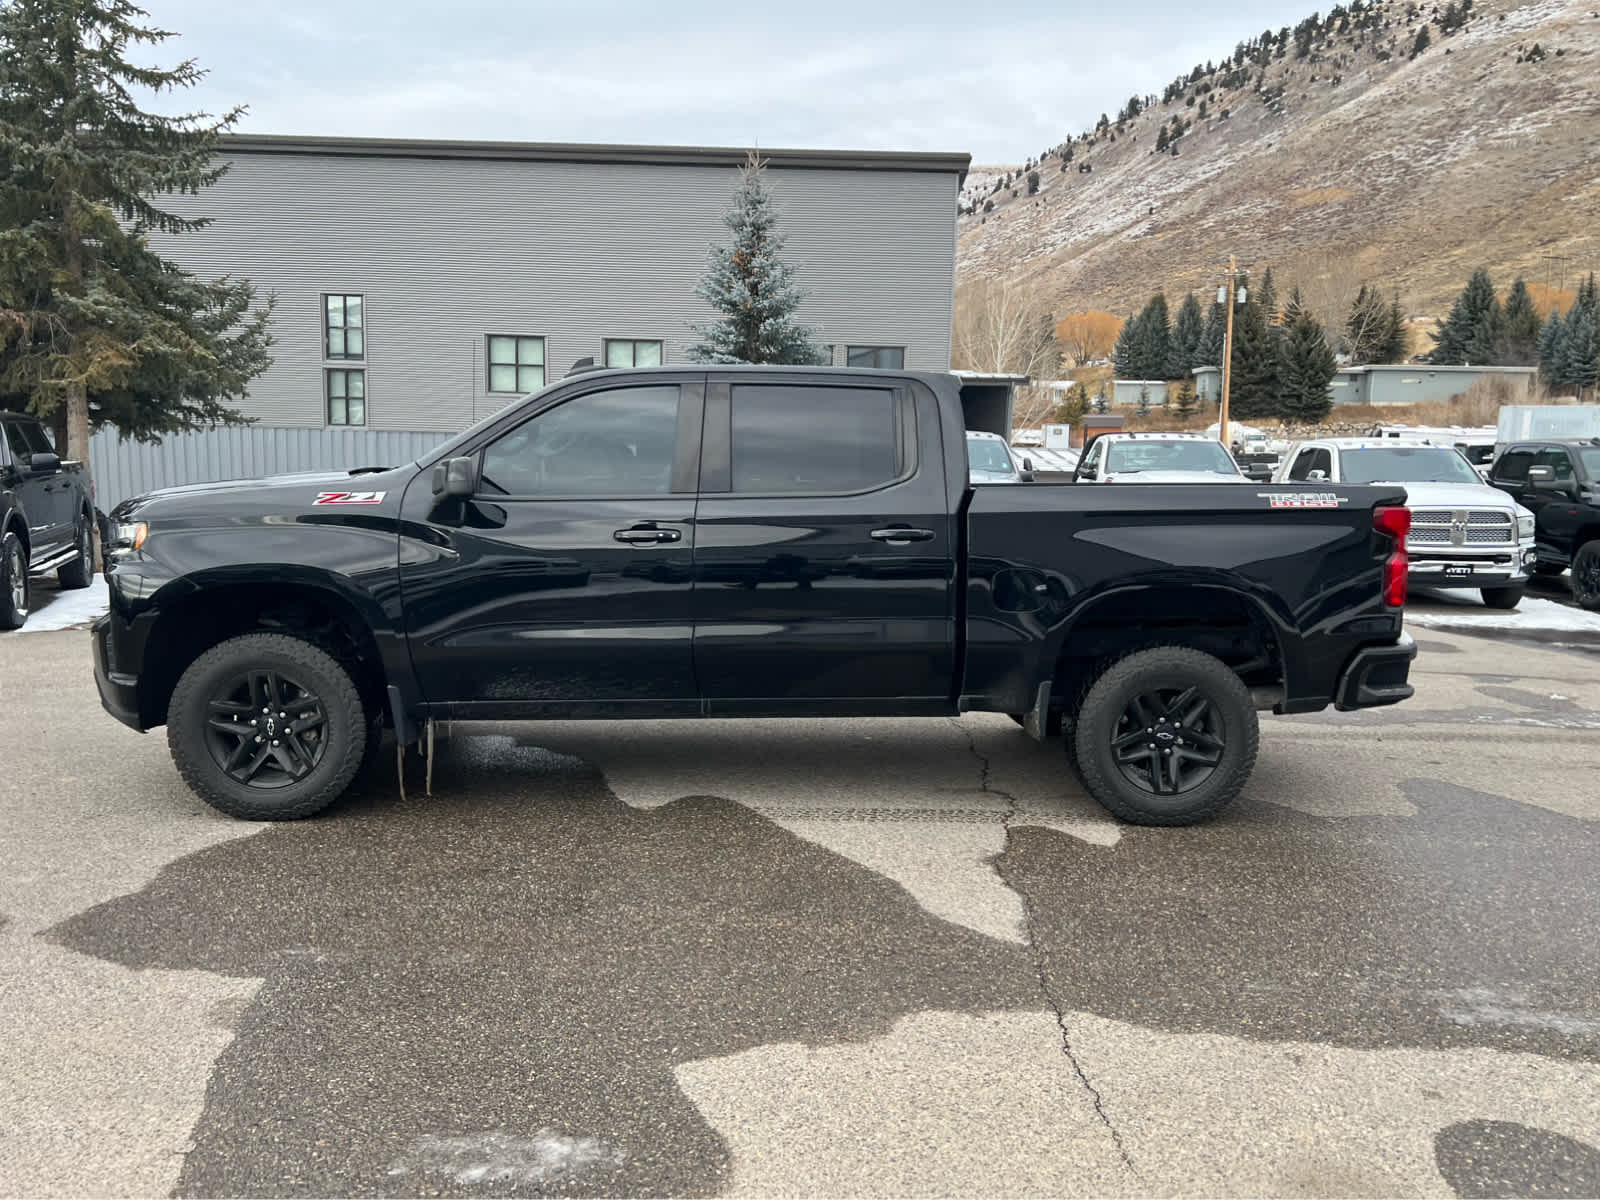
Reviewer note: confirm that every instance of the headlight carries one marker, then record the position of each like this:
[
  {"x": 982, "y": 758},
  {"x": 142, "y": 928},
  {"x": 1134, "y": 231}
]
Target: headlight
[
  {"x": 129, "y": 537},
  {"x": 1525, "y": 529}
]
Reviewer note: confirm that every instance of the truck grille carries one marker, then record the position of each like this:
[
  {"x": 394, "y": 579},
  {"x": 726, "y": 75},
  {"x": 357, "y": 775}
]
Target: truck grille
[{"x": 1461, "y": 527}]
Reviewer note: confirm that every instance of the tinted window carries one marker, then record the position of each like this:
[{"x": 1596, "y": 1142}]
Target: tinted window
[
  {"x": 1514, "y": 465},
  {"x": 612, "y": 443},
  {"x": 1591, "y": 462},
  {"x": 815, "y": 439},
  {"x": 17, "y": 441},
  {"x": 1407, "y": 464},
  {"x": 891, "y": 358},
  {"x": 1127, "y": 458},
  {"x": 1309, "y": 461},
  {"x": 1558, "y": 461},
  {"x": 986, "y": 455}
]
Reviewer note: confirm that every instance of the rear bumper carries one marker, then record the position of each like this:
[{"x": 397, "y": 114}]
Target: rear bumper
[
  {"x": 119, "y": 693},
  {"x": 1376, "y": 675}
]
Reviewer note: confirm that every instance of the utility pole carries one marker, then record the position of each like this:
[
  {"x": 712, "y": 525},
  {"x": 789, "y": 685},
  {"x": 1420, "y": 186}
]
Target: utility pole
[{"x": 1226, "y": 294}]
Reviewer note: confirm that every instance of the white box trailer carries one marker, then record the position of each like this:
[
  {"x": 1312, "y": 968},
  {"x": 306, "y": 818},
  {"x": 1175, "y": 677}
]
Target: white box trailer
[{"x": 1531, "y": 422}]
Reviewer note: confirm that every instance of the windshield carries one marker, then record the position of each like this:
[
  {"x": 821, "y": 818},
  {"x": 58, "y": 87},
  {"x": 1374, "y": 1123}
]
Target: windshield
[
  {"x": 1591, "y": 462},
  {"x": 1126, "y": 458},
  {"x": 984, "y": 455},
  {"x": 1407, "y": 464}
]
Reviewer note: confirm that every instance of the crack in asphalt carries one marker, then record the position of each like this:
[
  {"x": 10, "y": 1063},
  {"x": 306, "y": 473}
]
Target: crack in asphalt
[{"x": 1036, "y": 947}]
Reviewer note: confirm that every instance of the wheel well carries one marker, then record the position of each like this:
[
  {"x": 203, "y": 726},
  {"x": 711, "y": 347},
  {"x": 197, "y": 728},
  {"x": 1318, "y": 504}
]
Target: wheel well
[
  {"x": 1587, "y": 534},
  {"x": 192, "y": 624},
  {"x": 20, "y": 528},
  {"x": 1212, "y": 620}
]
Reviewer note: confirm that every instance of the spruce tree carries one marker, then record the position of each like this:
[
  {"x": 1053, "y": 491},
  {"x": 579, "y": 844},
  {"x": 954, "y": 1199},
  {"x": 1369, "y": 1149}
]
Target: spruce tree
[
  {"x": 1469, "y": 333},
  {"x": 1187, "y": 332},
  {"x": 1366, "y": 331},
  {"x": 1153, "y": 340},
  {"x": 752, "y": 287},
  {"x": 1267, "y": 299},
  {"x": 95, "y": 327},
  {"x": 1183, "y": 404},
  {"x": 1396, "y": 346},
  {"x": 1519, "y": 331},
  {"x": 1209, "y": 353},
  {"x": 1306, "y": 367},
  {"x": 1253, "y": 387},
  {"x": 1550, "y": 345},
  {"x": 1124, "y": 354},
  {"x": 1578, "y": 352}
]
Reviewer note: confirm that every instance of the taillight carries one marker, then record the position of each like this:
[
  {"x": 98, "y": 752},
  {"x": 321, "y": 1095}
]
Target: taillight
[{"x": 1396, "y": 523}]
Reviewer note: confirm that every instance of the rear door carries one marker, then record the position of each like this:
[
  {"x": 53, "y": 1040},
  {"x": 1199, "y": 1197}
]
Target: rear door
[
  {"x": 563, "y": 585},
  {"x": 824, "y": 554}
]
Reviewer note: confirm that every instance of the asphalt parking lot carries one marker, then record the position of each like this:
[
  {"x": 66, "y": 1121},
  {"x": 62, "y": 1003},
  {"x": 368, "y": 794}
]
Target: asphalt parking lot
[{"x": 814, "y": 958}]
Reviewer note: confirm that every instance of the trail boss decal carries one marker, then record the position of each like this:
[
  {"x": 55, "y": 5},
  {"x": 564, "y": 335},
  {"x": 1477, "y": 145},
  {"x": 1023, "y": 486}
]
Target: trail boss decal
[
  {"x": 1302, "y": 499},
  {"x": 349, "y": 498}
]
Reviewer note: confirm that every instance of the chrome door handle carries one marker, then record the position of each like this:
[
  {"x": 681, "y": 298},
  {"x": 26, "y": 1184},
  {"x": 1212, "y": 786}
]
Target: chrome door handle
[
  {"x": 641, "y": 536},
  {"x": 902, "y": 535}
]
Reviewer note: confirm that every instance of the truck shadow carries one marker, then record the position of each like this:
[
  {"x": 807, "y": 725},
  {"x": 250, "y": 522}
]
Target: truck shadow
[{"x": 489, "y": 990}]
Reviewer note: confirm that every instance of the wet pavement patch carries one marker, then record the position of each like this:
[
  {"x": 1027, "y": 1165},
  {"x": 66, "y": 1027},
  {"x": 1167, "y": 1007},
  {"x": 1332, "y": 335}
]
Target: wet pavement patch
[
  {"x": 1482, "y": 1159},
  {"x": 1364, "y": 932},
  {"x": 487, "y": 992}
]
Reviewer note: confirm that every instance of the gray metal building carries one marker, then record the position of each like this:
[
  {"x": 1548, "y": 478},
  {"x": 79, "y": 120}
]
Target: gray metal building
[{"x": 422, "y": 285}]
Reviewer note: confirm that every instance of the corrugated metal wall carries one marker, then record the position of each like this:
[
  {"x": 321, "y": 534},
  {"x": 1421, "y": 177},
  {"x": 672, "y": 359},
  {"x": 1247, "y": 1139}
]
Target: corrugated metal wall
[
  {"x": 122, "y": 469},
  {"x": 449, "y": 250}
]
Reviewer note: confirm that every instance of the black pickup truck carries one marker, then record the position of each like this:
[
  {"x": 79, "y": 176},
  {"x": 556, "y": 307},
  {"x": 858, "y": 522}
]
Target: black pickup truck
[
  {"x": 1560, "y": 482},
  {"x": 46, "y": 516},
  {"x": 742, "y": 541}
]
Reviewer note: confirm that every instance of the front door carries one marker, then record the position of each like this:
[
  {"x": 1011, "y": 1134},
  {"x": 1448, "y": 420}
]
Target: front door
[
  {"x": 824, "y": 551},
  {"x": 562, "y": 587}
]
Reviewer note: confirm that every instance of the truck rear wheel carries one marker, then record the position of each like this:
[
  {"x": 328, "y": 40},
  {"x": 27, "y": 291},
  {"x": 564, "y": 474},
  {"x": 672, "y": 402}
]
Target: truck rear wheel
[
  {"x": 13, "y": 582},
  {"x": 1586, "y": 576},
  {"x": 79, "y": 573},
  {"x": 1165, "y": 736},
  {"x": 267, "y": 727}
]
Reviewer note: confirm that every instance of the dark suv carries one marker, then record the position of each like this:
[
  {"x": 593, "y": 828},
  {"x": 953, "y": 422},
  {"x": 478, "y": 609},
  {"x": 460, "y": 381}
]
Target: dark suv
[{"x": 1560, "y": 482}]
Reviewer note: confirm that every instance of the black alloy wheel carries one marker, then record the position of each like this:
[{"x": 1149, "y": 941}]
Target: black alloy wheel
[
  {"x": 1586, "y": 576},
  {"x": 265, "y": 729},
  {"x": 79, "y": 573},
  {"x": 1169, "y": 741},
  {"x": 13, "y": 582}
]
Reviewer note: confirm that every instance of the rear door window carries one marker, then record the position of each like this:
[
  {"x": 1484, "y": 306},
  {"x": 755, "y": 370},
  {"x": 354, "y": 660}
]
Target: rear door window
[{"x": 800, "y": 440}]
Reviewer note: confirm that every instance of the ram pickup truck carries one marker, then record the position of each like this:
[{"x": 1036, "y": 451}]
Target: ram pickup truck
[
  {"x": 1560, "y": 482},
  {"x": 742, "y": 541},
  {"x": 46, "y": 517}
]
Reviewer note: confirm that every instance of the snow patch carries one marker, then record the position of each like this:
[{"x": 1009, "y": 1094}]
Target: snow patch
[
  {"x": 69, "y": 608},
  {"x": 1532, "y": 614},
  {"x": 545, "y": 1157}
]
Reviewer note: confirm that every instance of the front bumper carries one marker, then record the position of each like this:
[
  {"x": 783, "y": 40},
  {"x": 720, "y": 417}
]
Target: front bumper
[
  {"x": 1443, "y": 571},
  {"x": 1376, "y": 675},
  {"x": 119, "y": 692}
]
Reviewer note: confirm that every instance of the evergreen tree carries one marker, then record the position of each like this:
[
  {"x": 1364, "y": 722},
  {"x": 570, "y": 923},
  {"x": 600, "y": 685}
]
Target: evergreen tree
[
  {"x": 1209, "y": 353},
  {"x": 1396, "y": 346},
  {"x": 95, "y": 327},
  {"x": 1307, "y": 367},
  {"x": 1144, "y": 402},
  {"x": 1153, "y": 340},
  {"x": 1187, "y": 332},
  {"x": 1550, "y": 349},
  {"x": 1101, "y": 402},
  {"x": 1469, "y": 333},
  {"x": 1366, "y": 331},
  {"x": 752, "y": 287},
  {"x": 1519, "y": 331},
  {"x": 1124, "y": 353},
  {"x": 1578, "y": 351},
  {"x": 1072, "y": 407},
  {"x": 1267, "y": 299},
  {"x": 1183, "y": 404},
  {"x": 1253, "y": 386}
]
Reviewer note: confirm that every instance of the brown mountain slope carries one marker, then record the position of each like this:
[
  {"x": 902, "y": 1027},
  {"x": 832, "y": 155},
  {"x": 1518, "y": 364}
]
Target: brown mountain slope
[{"x": 1407, "y": 173}]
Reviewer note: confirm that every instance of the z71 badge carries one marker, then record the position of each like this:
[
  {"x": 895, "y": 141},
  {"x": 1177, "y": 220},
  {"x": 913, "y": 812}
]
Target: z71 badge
[
  {"x": 349, "y": 498},
  {"x": 1302, "y": 499}
]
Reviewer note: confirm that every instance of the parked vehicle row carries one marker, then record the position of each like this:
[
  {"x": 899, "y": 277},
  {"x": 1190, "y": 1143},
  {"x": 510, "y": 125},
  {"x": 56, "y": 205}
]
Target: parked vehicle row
[{"x": 46, "y": 517}]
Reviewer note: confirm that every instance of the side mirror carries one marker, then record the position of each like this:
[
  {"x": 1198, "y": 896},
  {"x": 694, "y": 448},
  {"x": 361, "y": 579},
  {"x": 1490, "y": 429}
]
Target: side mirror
[
  {"x": 1317, "y": 476},
  {"x": 1027, "y": 464},
  {"x": 45, "y": 463},
  {"x": 455, "y": 477},
  {"x": 1536, "y": 475}
]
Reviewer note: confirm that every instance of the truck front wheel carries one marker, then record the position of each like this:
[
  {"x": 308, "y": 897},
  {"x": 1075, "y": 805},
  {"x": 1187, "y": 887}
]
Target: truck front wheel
[
  {"x": 267, "y": 727},
  {"x": 1586, "y": 576},
  {"x": 1165, "y": 736}
]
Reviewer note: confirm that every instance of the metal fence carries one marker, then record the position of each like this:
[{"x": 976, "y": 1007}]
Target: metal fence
[{"x": 128, "y": 468}]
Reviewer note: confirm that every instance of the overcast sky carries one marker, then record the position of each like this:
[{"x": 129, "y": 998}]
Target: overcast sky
[{"x": 998, "y": 80}]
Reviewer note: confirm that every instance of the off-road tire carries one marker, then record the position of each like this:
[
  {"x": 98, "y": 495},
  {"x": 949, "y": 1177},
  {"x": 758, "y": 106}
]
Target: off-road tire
[
  {"x": 1586, "y": 576},
  {"x": 1231, "y": 718},
  {"x": 79, "y": 573},
  {"x": 306, "y": 665},
  {"x": 13, "y": 568},
  {"x": 1502, "y": 597}
]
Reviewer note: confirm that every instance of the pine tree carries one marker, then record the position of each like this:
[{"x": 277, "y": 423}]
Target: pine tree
[
  {"x": 1267, "y": 300},
  {"x": 1519, "y": 331},
  {"x": 1396, "y": 346},
  {"x": 1187, "y": 332},
  {"x": 1550, "y": 348},
  {"x": 752, "y": 287},
  {"x": 1124, "y": 354},
  {"x": 1101, "y": 402},
  {"x": 1578, "y": 351},
  {"x": 1306, "y": 368},
  {"x": 1183, "y": 404},
  {"x": 1144, "y": 402},
  {"x": 1152, "y": 340},
  {"x": 1253, "y": 387},
  {"x": 95, "y": 327},
  {"x": 1469, "y": 333},
  {"x": 1209, "y": 353}
]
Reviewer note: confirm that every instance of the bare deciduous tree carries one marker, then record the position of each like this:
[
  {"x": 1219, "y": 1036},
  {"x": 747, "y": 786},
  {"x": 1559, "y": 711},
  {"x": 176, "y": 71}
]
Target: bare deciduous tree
[{"x": 1007, "y": 328}]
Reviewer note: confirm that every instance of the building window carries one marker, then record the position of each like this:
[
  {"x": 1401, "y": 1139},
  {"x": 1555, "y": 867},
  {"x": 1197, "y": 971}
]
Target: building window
[
  {"x": 827, "y": 356},
  {"x": 892, "y": 358},
  {"x": 627, "y": 352},
  {"x": 347, "y": 396},
  {"x": 516, "y": 364},
  {"x": 344, "y": 334}
]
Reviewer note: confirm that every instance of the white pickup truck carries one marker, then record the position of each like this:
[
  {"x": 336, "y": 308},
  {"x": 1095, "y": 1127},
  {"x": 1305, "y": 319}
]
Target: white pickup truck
[{"x": 1464, "y": 533}]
